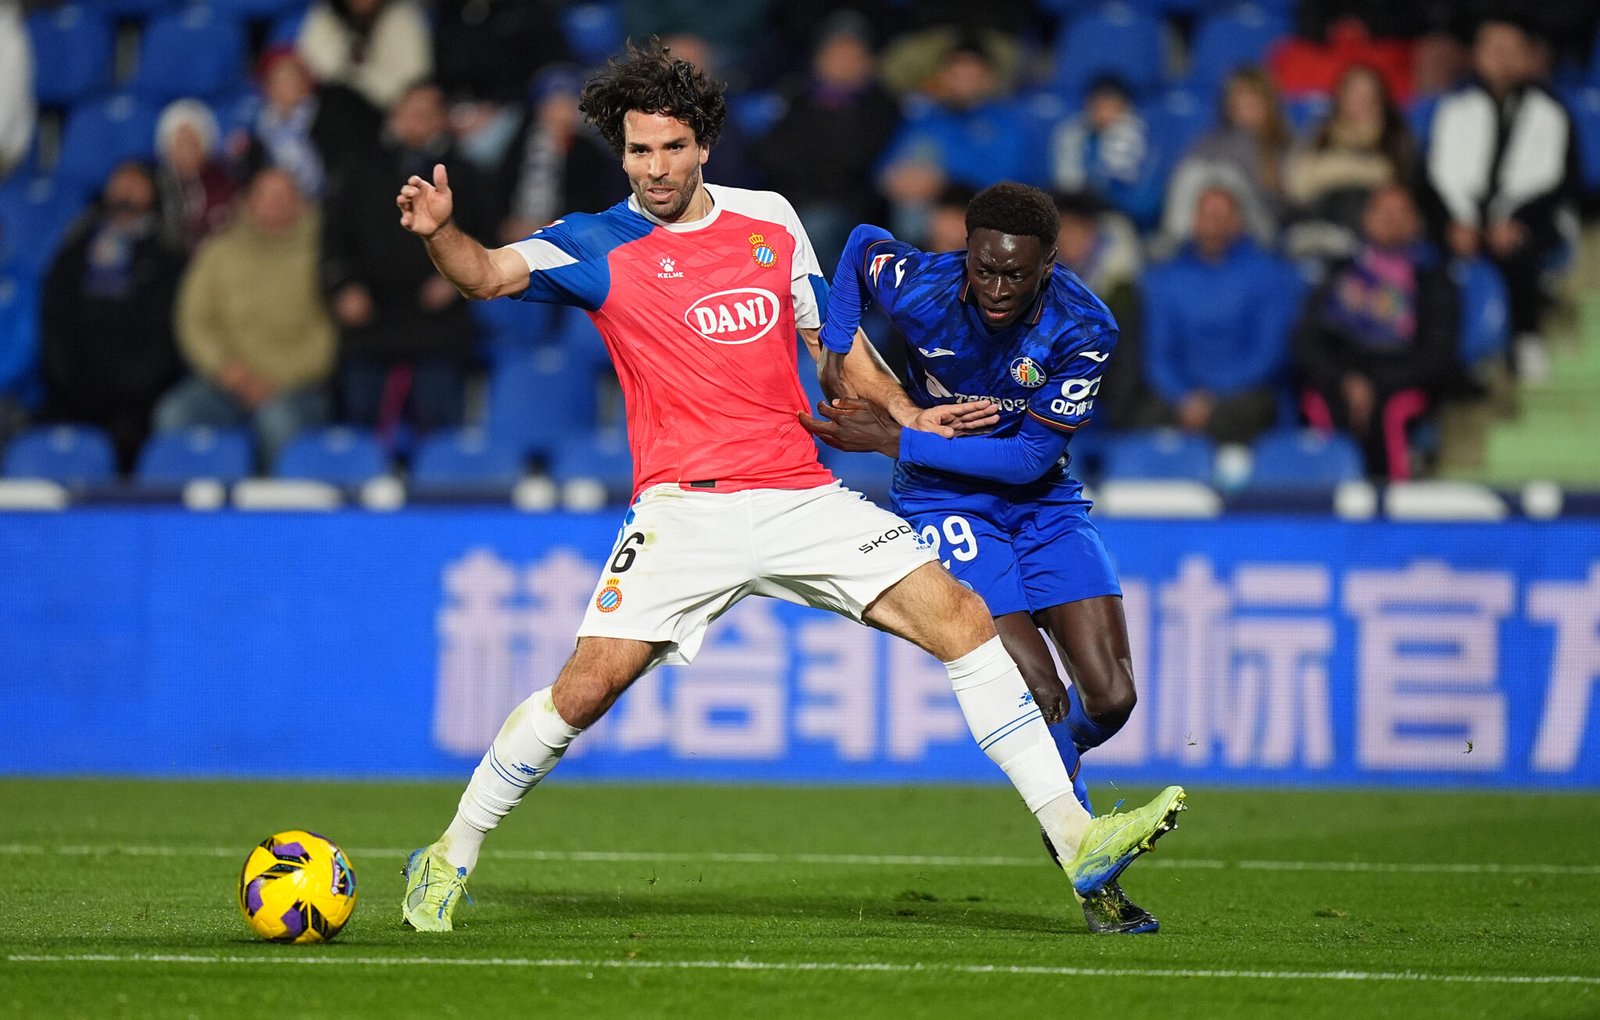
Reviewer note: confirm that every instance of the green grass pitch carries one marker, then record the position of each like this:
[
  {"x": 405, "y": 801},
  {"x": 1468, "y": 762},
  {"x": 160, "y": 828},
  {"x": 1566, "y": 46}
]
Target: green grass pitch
[{"x": 117, "y": 900}]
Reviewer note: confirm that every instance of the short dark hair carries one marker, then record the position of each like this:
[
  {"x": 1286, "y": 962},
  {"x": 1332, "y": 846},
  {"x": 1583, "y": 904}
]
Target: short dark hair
[
  {"x": 1015, "y": 209},
  {"x": 649, "y": 79}
]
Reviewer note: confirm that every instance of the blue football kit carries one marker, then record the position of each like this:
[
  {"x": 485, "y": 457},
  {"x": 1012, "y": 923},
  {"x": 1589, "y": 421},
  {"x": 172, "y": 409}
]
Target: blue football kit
[{"x": 1003, "y": 510}]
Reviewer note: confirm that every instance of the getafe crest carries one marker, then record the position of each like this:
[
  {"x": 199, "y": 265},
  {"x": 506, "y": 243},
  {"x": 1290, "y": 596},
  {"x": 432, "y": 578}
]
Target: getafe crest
[{"x": 1027, "y": 373}]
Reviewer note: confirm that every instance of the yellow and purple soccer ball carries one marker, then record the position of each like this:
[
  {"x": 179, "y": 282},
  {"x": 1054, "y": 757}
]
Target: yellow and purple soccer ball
[{"x": 297, "y": 887}]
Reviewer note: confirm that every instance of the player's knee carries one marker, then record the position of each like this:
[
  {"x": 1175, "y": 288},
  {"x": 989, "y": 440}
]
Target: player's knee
[
  {"x": 1110, "y": 705},
  {"x": 969, "y": 615}
]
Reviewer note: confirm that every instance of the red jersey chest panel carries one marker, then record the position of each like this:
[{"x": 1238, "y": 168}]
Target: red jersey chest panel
[{"x": 701, "y": 327}]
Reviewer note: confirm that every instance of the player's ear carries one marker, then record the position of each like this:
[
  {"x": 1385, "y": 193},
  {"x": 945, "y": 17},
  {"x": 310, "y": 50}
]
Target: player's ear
[{"x": 705, "y": 154}]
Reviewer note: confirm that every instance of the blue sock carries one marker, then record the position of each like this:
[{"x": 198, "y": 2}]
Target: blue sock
[
  {"x": 1062, "y": 735},
  {"x": 1086, "y": 733}
]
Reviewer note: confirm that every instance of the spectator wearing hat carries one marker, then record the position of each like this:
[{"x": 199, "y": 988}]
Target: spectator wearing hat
[
  {"x": 284, "y": 132},
  {"x": 196, "y": 188}
]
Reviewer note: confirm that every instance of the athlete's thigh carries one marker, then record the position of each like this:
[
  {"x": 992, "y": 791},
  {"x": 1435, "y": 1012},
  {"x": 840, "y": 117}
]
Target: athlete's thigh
[
  {"x": 1061, "y": 558},
  {"x": 978, "y": 552},
  {"x": 680, "y": 560},
  {"x": 597, "y": 673},
  {"x": 830, "y": 548}
]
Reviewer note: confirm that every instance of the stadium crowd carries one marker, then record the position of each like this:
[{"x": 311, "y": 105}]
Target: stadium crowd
[{"x": 1300, "y": 214}]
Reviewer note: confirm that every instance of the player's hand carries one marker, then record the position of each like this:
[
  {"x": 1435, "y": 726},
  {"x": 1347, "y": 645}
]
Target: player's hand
[
  {"x": 964, "y": 419},
  {"x": 856, "y": 426},
  {"x": 425, "y": 207}
]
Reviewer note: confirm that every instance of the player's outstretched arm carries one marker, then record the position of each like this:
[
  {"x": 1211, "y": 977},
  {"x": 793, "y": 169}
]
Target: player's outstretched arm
[
  {"x": 1016, "y": 459},
  {"x": 475, "y": 271}
]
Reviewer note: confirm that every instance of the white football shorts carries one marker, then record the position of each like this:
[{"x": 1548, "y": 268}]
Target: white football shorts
[{"x": 683, "y": 558}]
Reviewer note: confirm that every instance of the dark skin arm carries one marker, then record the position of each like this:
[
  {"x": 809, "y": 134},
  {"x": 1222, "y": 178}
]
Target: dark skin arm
[{"x": 855, "y": 426}]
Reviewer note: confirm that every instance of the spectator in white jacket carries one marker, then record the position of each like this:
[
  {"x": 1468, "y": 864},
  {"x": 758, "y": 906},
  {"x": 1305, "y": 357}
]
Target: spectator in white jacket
[
  {"x": 376, "y": 47},
  {"x": 1502, "y": 167}
]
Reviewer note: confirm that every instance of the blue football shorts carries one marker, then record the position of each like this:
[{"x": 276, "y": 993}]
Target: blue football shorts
[{"x": 1019, "y": 558}]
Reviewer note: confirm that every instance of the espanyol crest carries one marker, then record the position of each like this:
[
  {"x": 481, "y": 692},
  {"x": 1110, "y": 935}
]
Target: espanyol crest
[{"x": 1027, "y": 373}]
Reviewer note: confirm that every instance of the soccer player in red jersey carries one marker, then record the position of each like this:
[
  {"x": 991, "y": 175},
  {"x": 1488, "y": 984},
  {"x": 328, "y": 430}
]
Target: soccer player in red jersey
[{"x": 698, "y": 292}]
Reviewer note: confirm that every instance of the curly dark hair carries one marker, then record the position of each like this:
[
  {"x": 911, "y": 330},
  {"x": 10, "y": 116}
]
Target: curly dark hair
[
  {"x": 1015, "y": 209},
  {"x": 651, "y": 80}
]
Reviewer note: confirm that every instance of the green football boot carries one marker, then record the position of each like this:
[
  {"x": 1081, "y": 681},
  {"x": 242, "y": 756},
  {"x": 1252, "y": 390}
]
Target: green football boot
[
  {"x": 433, "y": 888},
  {"x": 1113, "y": 841}
]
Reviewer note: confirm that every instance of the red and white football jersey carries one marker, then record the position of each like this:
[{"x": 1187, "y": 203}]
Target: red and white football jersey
[{"x": 700, "y": 319}]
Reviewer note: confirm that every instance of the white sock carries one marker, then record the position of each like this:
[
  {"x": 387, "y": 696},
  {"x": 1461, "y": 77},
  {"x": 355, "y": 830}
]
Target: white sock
[
  {"x": 530, "y": 743},
  {"x": 1008, "y": 727}
]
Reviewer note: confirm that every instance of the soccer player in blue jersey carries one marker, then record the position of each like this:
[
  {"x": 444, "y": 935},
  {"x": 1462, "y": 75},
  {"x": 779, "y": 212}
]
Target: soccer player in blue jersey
[{"x": 1000, "y": 322}]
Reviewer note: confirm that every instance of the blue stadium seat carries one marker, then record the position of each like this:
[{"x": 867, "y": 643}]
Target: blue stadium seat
[
  {"x": 198, "y": 51},
  {"x": 201, "y": 452},
  {"x": 74, "y": 51},
  {"x": 465, "y": 458},
  {"x": 1307, "y": 111},
  {"x": 34, "y": 218},
  {"x": 599, "y": 455},
  {"x": 1584, "y": 106},
  {"x": 536, "y": 402},
  {"x": 1114, "y": 39},
  {"x": 580, "y": 339},
  {"x": 594, "y": 31},
  {"x": 341, "y": 455},
  {"x": 513, "y": 329},
  {"x": 70, "y": 454},
  {"x": 251, "y": 10},
  {"x": 285, "y": 28},
  {"x": 136, "y": 9},
  {"x": 1304, "y": 459},
  {"x": 1227, "y": 41},
  {"x": 1419, "y": 117},
  {"x": 1485, "y": 310},
  {"x": 1178, "y": 117},
  {"x": 101, "y": 134},
  {"x": 756, "y": 112},
  {"x": 1158, "y": 454},
  {"x": 19, "y": 337}
]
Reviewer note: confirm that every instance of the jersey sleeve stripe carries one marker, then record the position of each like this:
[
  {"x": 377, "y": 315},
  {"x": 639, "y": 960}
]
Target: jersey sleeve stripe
[
  {"x": 540, "y": 254},
  {"x": 1062, "y": 426}
]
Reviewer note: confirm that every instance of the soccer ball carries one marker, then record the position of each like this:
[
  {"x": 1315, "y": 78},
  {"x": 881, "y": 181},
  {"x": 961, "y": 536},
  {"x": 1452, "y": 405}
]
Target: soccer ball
[{"x": 297, "y": 887}]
